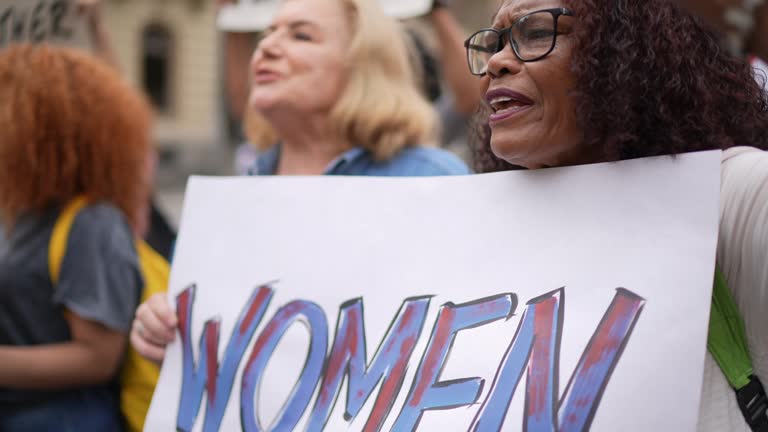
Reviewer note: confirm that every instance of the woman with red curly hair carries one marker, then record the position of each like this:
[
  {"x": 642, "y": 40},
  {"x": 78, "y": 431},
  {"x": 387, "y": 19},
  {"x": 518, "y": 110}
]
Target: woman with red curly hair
[
  {"x": 585, "y": 81},
  {"x": 69, "y": 127}
]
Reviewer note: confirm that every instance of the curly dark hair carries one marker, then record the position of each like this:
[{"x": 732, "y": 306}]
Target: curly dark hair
[
  {"x": 69, "y": 126},
  {"x": 652, "y": 80}
]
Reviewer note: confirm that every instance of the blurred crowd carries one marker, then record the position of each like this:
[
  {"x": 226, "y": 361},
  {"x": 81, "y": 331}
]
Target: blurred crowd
[{"x": 331, "y": 87}]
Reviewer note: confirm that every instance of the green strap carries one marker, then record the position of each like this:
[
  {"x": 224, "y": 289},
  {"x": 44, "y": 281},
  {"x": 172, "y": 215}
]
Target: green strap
[{"x": 727, "y": 338}]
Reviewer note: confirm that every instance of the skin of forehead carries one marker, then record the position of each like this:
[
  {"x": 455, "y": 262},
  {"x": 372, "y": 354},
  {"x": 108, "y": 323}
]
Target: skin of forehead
[{"x": 510, "y": 10}]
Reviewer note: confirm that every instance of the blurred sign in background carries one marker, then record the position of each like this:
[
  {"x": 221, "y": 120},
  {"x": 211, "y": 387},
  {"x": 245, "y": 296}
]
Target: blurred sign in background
[{"x": 53, "y": 21}]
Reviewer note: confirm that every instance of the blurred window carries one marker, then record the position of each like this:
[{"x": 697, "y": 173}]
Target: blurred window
[{"x": 156, "y": 64}]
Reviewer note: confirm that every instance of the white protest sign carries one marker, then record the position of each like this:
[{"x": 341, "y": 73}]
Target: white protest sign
[
  {"x": 256, "y": 15},
  {"x": 35, "y": 21},
  {"x": 562, "y": 299}
]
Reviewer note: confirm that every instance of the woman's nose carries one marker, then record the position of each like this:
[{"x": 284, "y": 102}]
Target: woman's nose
[
  {"x": 504, "y": 62},
  {"x": 269, "y": 45}
]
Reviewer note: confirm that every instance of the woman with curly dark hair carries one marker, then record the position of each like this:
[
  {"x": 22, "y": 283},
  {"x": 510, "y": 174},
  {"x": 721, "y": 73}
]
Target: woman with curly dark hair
[
  {"x": 69, "y": 127},
  {"x": 584, "y": 81}
]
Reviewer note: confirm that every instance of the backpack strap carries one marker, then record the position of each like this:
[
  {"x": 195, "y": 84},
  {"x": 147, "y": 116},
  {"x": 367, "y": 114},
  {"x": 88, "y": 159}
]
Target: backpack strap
[
  {"x": 727, "y": 342},
  {"x": 138, "y": 376},
  {"x": 57, "y": 246}
]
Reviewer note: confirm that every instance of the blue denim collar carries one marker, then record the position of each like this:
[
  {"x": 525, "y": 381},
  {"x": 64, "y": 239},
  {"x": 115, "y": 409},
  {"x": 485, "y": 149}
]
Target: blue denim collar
[{"x": 266, "y": 163}]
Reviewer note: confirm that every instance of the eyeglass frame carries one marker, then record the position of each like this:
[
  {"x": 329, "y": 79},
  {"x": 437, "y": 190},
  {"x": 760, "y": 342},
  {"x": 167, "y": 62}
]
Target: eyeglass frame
[{"x": 556, "y": 14}]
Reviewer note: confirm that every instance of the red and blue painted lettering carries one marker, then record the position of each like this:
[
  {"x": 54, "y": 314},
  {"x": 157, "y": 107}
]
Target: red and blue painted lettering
[
  {"x": 388, "y": 367},
  {"x": 299, "y": 398},
  {"x": 216, "y": 380},
  {"x": 534, "y": 349}
]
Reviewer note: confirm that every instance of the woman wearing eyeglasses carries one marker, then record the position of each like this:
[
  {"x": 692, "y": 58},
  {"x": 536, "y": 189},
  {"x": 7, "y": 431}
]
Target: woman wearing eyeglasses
[{"x": 587, "y": 81}]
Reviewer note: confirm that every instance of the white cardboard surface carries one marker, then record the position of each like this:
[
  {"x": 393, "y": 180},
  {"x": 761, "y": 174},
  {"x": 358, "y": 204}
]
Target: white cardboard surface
[{"x": 648, "y": 226}]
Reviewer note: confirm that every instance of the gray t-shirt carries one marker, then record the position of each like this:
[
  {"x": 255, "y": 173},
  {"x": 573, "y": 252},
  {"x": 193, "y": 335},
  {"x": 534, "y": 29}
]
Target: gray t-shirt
[{"x": 99, "y": 280}]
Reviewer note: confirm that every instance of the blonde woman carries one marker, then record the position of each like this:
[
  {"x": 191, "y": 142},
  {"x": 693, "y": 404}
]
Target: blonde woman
[{"x": 332, "y": 93}]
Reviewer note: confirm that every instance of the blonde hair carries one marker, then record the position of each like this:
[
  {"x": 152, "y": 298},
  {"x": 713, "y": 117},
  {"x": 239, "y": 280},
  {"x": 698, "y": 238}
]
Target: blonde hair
[{"x": 380, "y": 108}]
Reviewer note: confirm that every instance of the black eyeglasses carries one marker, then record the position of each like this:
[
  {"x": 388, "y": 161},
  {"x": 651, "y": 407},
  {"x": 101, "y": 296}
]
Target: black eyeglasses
[{"x": 532, "y": 37}]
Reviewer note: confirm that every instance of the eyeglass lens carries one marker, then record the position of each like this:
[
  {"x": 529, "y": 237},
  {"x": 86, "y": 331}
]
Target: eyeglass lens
[{"x": 532, "y": 37}]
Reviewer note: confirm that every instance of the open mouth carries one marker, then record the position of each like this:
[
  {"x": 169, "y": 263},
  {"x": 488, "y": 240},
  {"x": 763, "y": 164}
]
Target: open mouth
[
  {"x": 507, "y": 104},
  {"x": 264, "y": 76}
]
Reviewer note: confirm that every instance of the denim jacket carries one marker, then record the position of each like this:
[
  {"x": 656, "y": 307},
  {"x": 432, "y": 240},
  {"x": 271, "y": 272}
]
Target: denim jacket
[{"x": 409, "y": 162}]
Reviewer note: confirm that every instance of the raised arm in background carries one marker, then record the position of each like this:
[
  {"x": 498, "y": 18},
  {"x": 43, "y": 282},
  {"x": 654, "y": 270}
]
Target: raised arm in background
[
  {"x": 238, "y": 48},
  {"x": 91, "y": 11},
  {"x": 463, "y": 85}
]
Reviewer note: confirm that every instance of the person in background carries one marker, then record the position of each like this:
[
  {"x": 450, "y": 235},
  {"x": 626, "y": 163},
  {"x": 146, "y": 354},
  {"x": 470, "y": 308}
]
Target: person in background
[
  {"x": 70, "y": 127},
  {"x": 454, "y": 104},
  {"x": 239, "y": 47},
  {"x": 101, "y": 44},
  {"x": 655, "y": 82},
  {"x": 352, "y": 91},
  {"x": 446, "y": 62},
  {"x": 744, "y": 22},
  {"x": 465, "y": 91},
  {"x": 332, "y": 93},
  {"x": 161, "y": 236}
]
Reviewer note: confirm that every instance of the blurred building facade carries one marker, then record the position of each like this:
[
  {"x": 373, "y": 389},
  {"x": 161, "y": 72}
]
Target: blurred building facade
[{"x": 168, "y": 48}]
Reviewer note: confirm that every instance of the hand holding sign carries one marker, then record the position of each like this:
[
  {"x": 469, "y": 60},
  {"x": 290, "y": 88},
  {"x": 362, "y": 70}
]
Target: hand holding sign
[{"x": 153, "y": 328}]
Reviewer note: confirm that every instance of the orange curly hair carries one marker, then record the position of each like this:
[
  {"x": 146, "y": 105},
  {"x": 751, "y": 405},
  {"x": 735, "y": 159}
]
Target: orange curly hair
[{"x": 69, "y": 126}]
